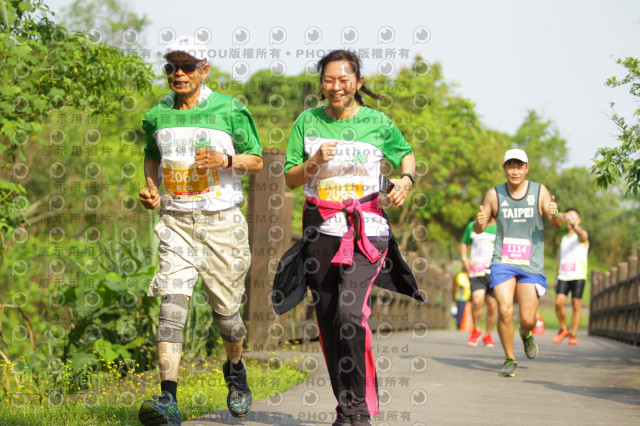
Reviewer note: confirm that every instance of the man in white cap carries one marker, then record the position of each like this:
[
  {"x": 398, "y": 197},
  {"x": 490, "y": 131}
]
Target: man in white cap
[
  {"x": 198, "y": 144},
  {"x": 518, "y": 255}
]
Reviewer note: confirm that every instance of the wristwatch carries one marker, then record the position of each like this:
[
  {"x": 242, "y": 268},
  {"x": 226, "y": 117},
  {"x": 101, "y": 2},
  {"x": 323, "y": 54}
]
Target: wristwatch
[
  {"x": 410, "y": 176},
  {"x": 230, "y": 160}
]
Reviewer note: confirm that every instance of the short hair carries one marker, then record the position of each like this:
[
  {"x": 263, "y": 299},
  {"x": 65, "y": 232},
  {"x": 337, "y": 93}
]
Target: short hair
[{"x": 572, "y": 209}]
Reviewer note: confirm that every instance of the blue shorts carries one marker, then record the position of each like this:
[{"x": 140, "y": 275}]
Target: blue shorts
[{"x": 501, "y": 273}]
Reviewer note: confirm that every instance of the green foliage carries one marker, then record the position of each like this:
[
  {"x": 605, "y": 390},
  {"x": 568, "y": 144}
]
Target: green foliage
[
  {"x": 614, "y": 229},
  {"x": 546, "y": 150},
  {"x": 112, "y": 319},
  {"x": 89, "y": 317},
  {"x": 452, "y": 172},
  {"x": 12, "y": 206},
  {"x": 109, "y": 21},
  {"x": 46, "y": 69},
  {"x": 622, "y": 162}
]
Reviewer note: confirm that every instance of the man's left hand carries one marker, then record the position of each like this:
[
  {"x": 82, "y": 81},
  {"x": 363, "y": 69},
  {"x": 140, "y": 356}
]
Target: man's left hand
[
  {"x": 552, "y": 207},
  {"x": 207, "y": 158}
]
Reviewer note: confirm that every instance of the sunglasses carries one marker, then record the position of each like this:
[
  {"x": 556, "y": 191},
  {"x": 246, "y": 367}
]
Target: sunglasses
[{"x": 170, "y": 68}]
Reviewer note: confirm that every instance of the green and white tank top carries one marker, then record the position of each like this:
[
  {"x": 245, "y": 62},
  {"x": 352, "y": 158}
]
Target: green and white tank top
[
  {"x": 573, "y": 258},
  {"x": 519, "y": 241}
]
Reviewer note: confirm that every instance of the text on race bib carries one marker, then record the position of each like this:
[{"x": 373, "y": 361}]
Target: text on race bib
[
  {"x": 183, "y": 181},
  {"x": 568, "y": 267},
  {"x": 332, "y": 191},
  {"x": 516, "y": 251}
]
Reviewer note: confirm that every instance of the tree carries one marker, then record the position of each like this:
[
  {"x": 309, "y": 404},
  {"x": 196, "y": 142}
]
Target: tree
[
  {"x": 546, "y": 150},
  {"x": 108, "y": 21},
  {"x": 46, "y": 69},
  {"x": 613, "y": 224},
  {"x": 454, "y": 156},
  {"x": 622, "y": 162}
]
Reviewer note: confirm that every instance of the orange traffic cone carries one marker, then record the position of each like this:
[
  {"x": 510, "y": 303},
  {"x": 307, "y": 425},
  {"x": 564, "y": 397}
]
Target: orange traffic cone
[
  {"x": 467, "y": 318},
  {"x": 539, "y": 328}
]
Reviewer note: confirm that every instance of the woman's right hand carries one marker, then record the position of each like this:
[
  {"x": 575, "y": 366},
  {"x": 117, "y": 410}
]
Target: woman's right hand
[{"x": 326, "y": 152}]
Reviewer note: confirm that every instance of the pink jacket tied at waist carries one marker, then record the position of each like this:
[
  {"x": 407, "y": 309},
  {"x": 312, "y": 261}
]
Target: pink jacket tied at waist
[{"x": 353, "y": 208}]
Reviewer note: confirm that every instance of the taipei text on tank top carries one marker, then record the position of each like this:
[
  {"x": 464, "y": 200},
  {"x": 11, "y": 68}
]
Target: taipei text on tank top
[{"x": 519, "y": 240}]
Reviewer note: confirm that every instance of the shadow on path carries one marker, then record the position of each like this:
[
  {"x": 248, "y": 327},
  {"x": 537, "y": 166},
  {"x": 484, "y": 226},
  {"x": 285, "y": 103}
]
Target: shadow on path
[
  {"x": 624, "y": 395},
  {"x": 475, "y": 364},
  {"x": 259, "y": 417}
]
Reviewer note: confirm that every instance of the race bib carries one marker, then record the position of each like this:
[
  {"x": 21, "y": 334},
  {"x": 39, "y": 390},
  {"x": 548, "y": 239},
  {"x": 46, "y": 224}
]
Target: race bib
[
  {"x": 477, "y": 269},
  {"x": 183, "y": 181},
  {"x": 331, "y": 190},
  {"x": 568, "y": 267},
  {"x": 516, "y": 251}
]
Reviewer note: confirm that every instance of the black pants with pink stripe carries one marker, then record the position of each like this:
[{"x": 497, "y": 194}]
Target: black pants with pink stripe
[{"x": 342, "y": 307}]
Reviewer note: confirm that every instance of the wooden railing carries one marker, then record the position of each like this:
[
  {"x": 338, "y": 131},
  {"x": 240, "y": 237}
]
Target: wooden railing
[
  {"x": 270, "y": 211},
  {"x": 615, "y": 302}
]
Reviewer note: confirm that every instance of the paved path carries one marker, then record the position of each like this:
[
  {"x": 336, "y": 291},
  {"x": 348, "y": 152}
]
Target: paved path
[{"x": 438, "y": 379}]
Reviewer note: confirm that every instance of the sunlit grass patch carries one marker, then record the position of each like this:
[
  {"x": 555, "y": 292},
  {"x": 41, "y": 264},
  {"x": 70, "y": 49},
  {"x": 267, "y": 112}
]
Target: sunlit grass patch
[{"x": 110, "y": 400}]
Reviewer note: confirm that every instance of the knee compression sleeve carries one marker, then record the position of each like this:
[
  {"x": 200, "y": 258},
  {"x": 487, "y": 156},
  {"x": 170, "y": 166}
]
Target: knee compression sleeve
[
  {"x": 231, "y": 327},
  {"x": 173, "y": 316}
]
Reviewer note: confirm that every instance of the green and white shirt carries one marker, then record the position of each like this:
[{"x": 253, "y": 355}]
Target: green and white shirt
[
  {"x": 354, "y": 172},
  {"x": 172, "y": 136},
  {"x": 481, "y": 248}
]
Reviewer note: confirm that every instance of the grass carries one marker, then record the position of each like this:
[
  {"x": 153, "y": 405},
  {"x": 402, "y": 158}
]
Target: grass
[{"x": 113, "y": 401}]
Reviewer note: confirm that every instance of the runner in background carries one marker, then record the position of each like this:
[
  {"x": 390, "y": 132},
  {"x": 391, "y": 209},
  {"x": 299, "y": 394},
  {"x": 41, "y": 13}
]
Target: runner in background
[
  {"x": 518, "y": 256},
  {"x": 461, "y": 294},
  {"x": 476, "y": 266},
  {"x": 571, "y": 275}
]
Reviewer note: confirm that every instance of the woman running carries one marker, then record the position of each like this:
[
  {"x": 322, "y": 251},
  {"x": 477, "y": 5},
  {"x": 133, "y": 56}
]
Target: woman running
[{"x": 335, "y": 152}]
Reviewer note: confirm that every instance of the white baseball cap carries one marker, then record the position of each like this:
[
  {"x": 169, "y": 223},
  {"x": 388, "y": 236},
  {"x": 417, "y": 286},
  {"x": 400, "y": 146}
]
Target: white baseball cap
[
  {"x": 188, "y": 45},
  {"x": 515, "y": 154}
]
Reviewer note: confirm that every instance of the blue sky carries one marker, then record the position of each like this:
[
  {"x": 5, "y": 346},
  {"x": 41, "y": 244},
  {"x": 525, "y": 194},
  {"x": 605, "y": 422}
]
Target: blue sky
[{"x": 506, "y": 56}]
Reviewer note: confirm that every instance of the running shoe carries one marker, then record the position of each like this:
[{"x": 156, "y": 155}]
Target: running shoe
[
  {"x": 560, "y": 336},
  {"x": 239, "y": 399},
  {"x": 509, "y": 367},
  {"x": 341, "y": 419},
  {"x": 488, "y": 341},
  {"x": 530, "y": 345},
  {"x": 475, "y": 335},
  {"x": 162, "y": 410},
  {"x": 360, "y": 420},
  {"x": 573, "y": 339}
]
